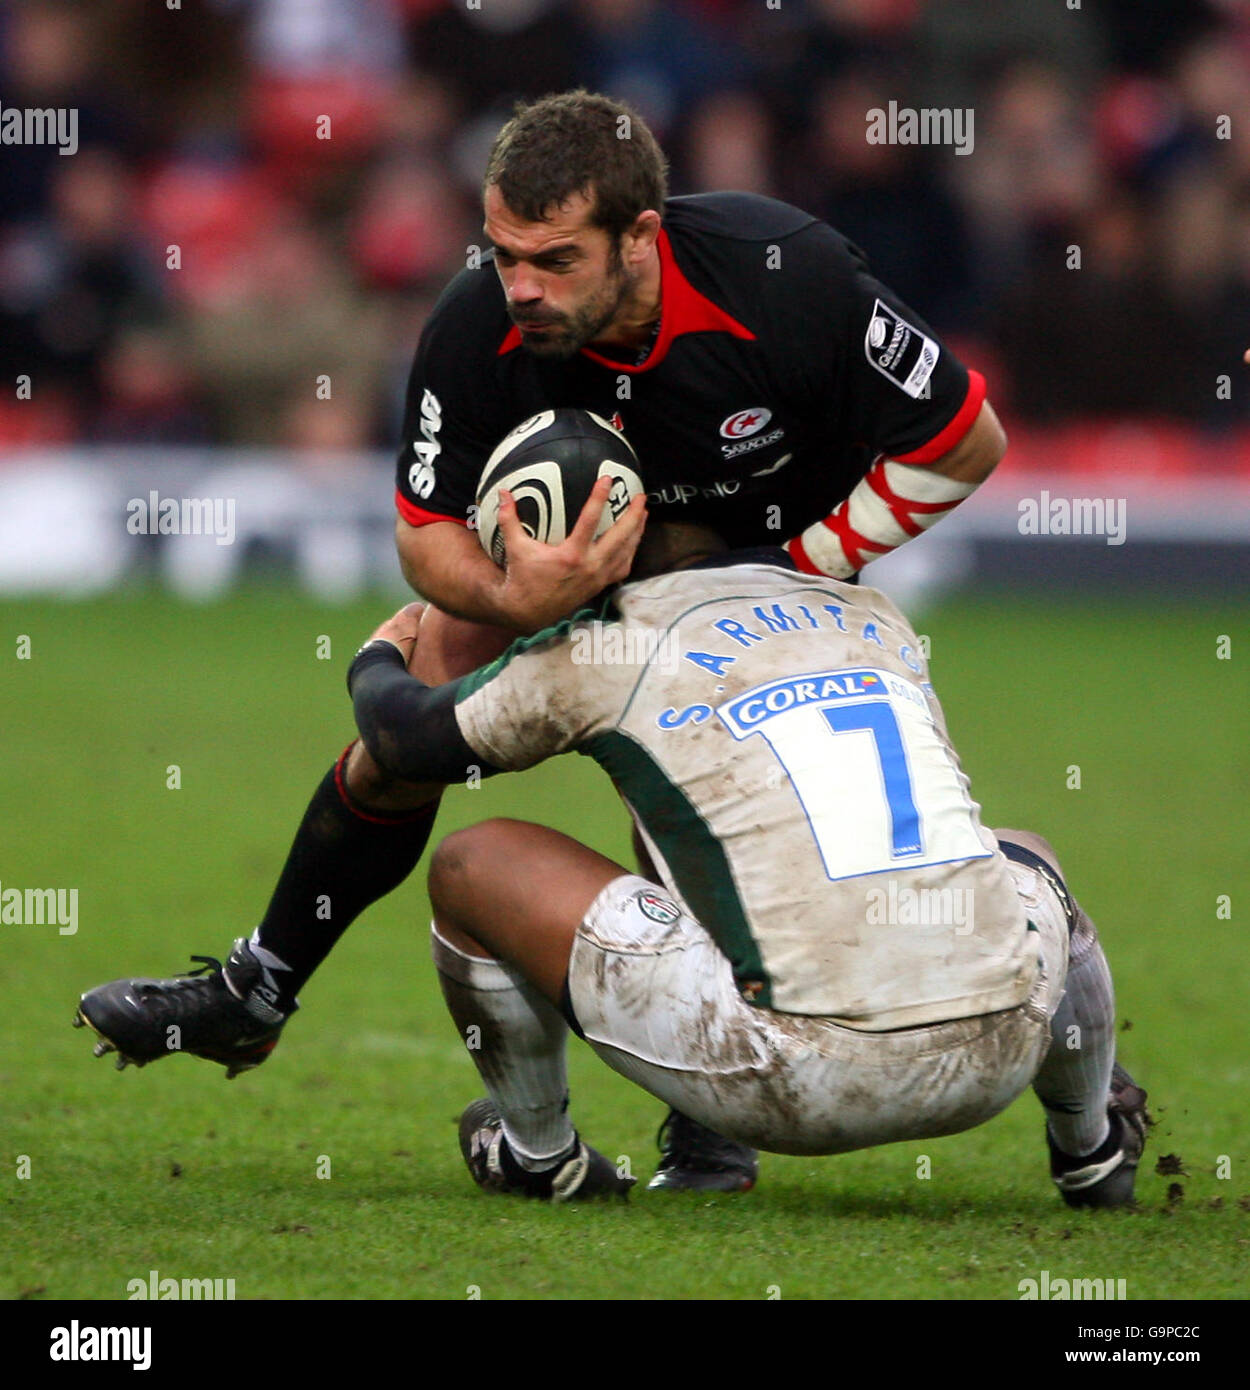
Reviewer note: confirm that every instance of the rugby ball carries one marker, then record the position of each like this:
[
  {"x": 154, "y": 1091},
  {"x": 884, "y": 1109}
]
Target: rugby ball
[{"x": 550, "y": 463}]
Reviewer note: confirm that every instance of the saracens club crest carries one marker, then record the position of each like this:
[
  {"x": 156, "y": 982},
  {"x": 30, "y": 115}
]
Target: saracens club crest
[{"x": 743, "y": 423}]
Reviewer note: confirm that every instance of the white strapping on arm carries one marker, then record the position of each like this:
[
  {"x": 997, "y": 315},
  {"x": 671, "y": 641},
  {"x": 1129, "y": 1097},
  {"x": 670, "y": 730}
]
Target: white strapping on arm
[{"x": 890, "y": 504}]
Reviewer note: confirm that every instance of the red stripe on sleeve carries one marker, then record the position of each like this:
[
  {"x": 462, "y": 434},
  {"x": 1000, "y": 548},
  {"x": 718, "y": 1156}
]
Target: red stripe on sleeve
[
  {"x": 946, "y": 439},
  {"x": 418, "y": 516}
]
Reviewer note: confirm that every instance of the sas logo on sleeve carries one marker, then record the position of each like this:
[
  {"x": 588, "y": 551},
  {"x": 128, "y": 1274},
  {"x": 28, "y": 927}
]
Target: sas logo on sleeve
[
  {"x": 421, "y": 476},
  {"x": 899, "y": 350},
  {"x": 743, "y": 423}
]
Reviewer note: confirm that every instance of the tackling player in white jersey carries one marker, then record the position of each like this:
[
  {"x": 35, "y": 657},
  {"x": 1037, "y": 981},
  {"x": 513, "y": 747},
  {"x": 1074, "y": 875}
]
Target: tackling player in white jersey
[{"x": 840, "y": 954}]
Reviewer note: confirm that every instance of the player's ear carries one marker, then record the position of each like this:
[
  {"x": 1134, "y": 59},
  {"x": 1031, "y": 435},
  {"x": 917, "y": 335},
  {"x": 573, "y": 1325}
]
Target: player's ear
[{"x": 638, "y": 240}]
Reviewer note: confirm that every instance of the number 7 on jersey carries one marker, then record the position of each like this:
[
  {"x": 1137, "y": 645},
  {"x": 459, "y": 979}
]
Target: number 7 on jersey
[{"x": 878, "y": 785}]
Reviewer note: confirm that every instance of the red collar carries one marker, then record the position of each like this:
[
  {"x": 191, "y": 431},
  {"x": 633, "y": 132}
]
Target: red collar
[{"x": 682, "y": 310}]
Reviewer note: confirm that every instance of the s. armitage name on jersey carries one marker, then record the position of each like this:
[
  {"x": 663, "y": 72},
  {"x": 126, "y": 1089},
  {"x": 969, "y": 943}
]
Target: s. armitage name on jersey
[{"x": 789, "y": 691}]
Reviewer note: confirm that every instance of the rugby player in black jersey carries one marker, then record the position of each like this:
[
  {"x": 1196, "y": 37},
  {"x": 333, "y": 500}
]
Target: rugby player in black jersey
[{"x": 772, "y": 388}]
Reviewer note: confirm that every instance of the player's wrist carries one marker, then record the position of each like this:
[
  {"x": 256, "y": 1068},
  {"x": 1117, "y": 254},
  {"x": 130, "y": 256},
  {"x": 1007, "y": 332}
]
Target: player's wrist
[
  {"x": 376, "y": 651},
  {"x": 525, "y": 613},
  {"x": 512, "y": 605}
]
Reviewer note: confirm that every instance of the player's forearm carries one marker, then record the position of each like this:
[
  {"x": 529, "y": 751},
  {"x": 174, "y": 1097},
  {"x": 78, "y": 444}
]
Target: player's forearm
[
  {"x": 445, "y": 564},
  {"x": 895, "y": 502},
  {"x": 409, "y": 728}
]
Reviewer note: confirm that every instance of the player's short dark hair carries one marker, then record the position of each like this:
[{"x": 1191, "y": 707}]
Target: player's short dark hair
[{"x": 578, "y": 142}]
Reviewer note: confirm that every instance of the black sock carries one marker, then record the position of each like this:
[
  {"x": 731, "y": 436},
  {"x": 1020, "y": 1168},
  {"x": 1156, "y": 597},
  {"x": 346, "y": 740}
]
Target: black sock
[
  {"x": 1107, "y": 1149},
  {"x": 343, "y": 858},
  {"x": 538, "y": 1183}
]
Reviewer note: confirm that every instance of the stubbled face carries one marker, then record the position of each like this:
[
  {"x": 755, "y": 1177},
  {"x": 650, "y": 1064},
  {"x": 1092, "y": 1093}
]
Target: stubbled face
[{"x": 564, "y": 280}]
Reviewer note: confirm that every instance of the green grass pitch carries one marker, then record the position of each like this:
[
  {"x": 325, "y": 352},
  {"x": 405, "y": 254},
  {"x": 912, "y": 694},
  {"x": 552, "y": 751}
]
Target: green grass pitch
[{"x": 173, "y": 1169}]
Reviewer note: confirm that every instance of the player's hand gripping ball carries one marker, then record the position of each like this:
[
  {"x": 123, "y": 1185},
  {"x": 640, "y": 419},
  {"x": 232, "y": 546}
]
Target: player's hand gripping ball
[{"x": 550, "y": 464}]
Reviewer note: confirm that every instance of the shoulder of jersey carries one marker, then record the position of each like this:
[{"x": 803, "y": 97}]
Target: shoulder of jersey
[
  {"x": 736, "y": 216},
  {"x": 718, "y": 239}
]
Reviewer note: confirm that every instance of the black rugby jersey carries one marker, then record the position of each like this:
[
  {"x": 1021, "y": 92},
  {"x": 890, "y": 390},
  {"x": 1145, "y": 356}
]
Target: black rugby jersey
[{"x": 781, "y": 369}]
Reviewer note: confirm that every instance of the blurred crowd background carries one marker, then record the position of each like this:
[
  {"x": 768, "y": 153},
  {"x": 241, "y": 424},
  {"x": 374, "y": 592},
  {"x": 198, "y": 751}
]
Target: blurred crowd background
[{"x": 1096, "y": 126}]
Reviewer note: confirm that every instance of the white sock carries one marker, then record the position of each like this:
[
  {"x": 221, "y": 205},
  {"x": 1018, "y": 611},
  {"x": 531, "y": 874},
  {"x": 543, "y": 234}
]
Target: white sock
[
  {"x": 520, "y": 1040},
  {"x": 1074, "y": 1083}
]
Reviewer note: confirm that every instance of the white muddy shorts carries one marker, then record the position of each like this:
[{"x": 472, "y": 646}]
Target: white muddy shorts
[{"x": 656, "y": 999}]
